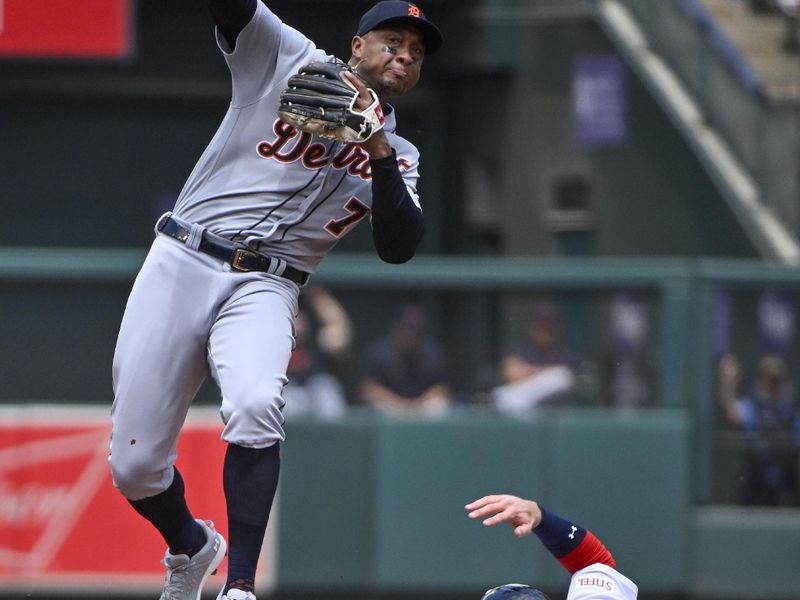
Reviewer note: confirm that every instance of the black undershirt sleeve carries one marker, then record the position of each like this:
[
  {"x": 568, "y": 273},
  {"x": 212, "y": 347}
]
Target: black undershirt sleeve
[
  {"x": 231, "y": 16},
  {"x": 397, "y": 223}
]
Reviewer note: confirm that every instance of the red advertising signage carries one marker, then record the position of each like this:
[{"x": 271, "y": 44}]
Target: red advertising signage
[
  {"x": 65, "y": 28},
  {"x": 62, "y": 523}
]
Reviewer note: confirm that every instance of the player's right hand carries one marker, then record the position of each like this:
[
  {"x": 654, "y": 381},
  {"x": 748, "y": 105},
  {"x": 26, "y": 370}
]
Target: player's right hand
[{"x": 523, "y": 515}]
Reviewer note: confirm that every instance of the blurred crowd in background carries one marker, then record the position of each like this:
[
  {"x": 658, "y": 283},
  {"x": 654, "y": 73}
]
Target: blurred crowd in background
[{"x": 411, "y": 373}]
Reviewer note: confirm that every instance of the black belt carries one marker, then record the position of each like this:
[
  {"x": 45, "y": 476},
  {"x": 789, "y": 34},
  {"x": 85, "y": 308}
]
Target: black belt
[{"x": 240, "y": 258}]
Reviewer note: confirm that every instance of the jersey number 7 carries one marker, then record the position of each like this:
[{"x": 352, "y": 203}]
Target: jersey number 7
[{"x": 357, "y": 209}]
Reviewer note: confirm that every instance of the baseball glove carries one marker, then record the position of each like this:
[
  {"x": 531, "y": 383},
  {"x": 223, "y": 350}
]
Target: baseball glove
[{"x": 321, "y": 100}]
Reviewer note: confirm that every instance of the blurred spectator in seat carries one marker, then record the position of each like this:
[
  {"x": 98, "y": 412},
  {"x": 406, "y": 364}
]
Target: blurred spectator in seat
[
  {"x": 323, "y": 345},
  {"x": 539, "y": 370},
  {"x": 406, "y": 371},
  {"x": 762, "y": 6},
  {"x": 628, "y": 362},
  {"x": 791, "y": 11},
  {"x": 770, "y": 420}
]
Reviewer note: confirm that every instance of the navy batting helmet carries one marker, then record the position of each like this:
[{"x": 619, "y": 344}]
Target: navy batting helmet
[{"x": 514, "y": 591}]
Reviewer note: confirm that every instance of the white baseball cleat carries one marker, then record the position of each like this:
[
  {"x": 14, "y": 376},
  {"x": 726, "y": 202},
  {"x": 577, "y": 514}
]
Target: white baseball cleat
[
  {"x": 234, "y": 594},
  {"x": 186, "y": 576}
]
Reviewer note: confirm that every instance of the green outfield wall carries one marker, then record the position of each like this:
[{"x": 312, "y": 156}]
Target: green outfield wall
[{"x": 373, "y": 503}]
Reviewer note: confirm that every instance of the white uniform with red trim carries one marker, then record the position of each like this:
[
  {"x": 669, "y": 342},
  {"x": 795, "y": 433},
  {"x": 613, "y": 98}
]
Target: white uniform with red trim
[
  {"x": 601, "y": 582},
  {"x": 288, "y": 195}
]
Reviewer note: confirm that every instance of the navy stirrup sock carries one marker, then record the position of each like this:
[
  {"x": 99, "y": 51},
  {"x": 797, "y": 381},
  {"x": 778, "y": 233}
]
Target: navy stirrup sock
[
  {"x": 169, "y": 514},
  {"x": 250, "y": 478}
]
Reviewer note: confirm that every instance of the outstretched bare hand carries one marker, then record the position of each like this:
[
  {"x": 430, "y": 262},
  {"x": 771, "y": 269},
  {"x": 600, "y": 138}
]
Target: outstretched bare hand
[{"x": 523, "y": 515}]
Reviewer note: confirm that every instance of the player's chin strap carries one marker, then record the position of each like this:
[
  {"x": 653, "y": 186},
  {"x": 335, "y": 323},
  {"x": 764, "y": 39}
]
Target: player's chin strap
[{"x": 372, "y": 119}]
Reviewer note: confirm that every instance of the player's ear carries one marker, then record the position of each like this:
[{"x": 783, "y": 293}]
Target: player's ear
[{"x": 357, "y": 46}]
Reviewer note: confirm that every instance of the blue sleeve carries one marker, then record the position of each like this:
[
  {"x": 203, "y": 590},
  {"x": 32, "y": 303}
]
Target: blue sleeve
[
  {"x": 559, "y": 535},
  {"x": 397, "y": 223}
]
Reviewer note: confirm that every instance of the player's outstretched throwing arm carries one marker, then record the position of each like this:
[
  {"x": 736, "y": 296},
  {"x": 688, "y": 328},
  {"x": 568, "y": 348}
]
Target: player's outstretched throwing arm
[{"x": 231, "y": 16}]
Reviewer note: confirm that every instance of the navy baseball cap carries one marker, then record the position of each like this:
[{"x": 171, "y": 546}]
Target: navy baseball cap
[{"x": 394, "y": 11}]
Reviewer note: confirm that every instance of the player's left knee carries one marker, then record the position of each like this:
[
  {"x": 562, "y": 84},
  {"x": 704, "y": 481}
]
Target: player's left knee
[{"x": 137, "y": 477}]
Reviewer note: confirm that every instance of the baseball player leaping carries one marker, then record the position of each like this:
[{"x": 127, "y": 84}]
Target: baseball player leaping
[{"x": 218, "y": 291}]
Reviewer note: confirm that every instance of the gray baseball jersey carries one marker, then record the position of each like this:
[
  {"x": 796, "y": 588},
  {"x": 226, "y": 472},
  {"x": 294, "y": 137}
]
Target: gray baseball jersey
[{"x": 286, "y": 193}]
